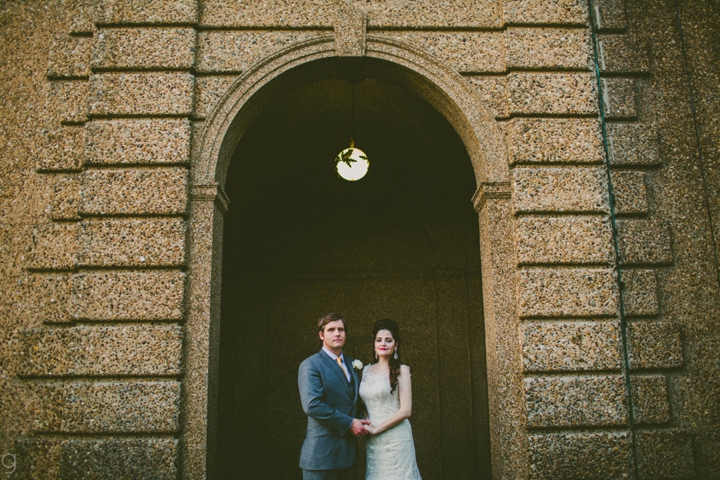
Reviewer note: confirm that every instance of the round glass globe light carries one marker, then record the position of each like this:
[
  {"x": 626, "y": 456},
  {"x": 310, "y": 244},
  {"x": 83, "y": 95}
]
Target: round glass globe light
[{"x": 352, "y": 164}]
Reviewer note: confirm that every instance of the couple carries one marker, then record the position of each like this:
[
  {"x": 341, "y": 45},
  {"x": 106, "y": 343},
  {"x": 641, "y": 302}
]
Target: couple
[{"x": 329, "y": 390}]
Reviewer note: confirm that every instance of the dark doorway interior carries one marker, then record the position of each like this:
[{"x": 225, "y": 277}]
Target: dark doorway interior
[{"x": 401, "y": 243}]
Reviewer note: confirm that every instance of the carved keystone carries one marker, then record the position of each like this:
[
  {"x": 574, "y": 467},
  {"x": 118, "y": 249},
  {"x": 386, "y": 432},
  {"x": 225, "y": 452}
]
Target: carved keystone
[{"x": 350, "y": 32}]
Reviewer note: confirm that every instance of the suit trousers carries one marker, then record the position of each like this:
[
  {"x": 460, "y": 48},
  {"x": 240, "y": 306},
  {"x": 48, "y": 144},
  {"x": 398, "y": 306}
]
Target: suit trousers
[{"x": 339, "y": 474}]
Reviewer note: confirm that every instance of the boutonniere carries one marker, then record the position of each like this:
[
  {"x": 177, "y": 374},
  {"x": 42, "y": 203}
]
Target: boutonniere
[{"x": 357, "y": 365}]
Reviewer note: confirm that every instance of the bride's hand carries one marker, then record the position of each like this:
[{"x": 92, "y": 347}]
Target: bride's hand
[{"x": 370, "y": 429}]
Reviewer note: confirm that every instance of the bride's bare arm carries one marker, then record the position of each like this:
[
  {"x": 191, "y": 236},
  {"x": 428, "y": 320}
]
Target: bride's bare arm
[{"x": 405, "y": 391}]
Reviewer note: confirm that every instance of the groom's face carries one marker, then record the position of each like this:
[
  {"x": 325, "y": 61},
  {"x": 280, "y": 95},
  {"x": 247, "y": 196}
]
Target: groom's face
[{"x": 333, "y": 336}]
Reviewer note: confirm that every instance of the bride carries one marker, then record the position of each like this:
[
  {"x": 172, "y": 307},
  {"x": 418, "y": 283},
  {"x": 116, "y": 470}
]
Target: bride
[{"x": 386, "y": 391}]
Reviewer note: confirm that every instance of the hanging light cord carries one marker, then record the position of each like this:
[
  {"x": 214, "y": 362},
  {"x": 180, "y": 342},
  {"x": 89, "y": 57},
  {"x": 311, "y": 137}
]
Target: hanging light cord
[{"x": 352, "y": 118}]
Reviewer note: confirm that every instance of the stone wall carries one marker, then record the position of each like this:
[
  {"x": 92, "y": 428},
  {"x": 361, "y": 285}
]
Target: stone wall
[{"x": 599, "y": 249}]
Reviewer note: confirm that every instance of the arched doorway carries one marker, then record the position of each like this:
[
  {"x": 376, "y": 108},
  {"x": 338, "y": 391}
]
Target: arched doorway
[{"x": 402, "y": 243}]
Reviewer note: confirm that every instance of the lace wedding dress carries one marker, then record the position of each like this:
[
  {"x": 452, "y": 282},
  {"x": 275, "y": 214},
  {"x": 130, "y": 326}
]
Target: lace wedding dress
[{"x": 391, "y": 454}]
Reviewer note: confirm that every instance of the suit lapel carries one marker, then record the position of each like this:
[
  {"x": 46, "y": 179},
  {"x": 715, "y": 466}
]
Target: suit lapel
[{"x": 333, "y": 365}]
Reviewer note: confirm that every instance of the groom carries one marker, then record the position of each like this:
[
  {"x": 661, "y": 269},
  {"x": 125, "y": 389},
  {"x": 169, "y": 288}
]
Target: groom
[{"x": 329, "y": 393}]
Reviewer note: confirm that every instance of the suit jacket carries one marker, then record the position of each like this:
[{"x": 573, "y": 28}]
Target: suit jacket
[{"x": 331, "y": 403}]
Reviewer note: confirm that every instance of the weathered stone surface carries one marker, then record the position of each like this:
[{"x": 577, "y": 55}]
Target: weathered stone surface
[
  {"x": 587, "y": 455},
  {"x": 132, "y": 242},
  {"x": 463, "y": 51},
  {"x": 622, "y": 53},
  {"x": 69, "y": 99},
  {"x": 236, "y": 51},
  {"x": 69, "y": 57},
  {"x": 109, "y": 351},
  {"x": 350, "y": 30},
  {"x": 83, "y": 17},
  {"x": 552, "y": 93},
  {"x": 155, "y": 12},
  {"x": 573, "y": 240},
  {"x": 143, "y": 48},
  {"x": 629, "y": 192},
  {"x": 65, "y": 197},
  {"x": 493, "y": 92},
  {"x": 94, "y": 407},
  {"x": 610, "y": 14},
  {"x": 538, "y": 140},
  {"x": 54, "y": 246},
  {"x": 640, "y": 292},
  {"x": 649, "y": 399},
  {"x": 642, "y": 241},
  {"x": 141, "y": 94},
  {"x": 576, "y": 401},
  {"x": 156, "y": 191},
  {"x": 653, "y": 344},
  {"x": 48, "y": 297},
  {"x": 117, "y": 296},
  {"x": 62, "y": 150},
  {"x": 569, "y": 346},
  {"x": 117, "y": 142},
  {"x": 86, "y": 458},
  {"x": 558, "y": 48},
  {"x": 209, "y": 91},
  {"x": 665, "y": 454},
  {"x": 558, "y": 12},
  {"x": 633, "y": 144},
  {"x": 560, "y": 189},
  {"x": 619, "y": 98},
  {"x": 545, "y": 292}
]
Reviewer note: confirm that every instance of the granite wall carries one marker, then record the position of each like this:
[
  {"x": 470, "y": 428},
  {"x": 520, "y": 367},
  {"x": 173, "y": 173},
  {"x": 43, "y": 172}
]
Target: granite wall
[{"x": 597, "y": 204}]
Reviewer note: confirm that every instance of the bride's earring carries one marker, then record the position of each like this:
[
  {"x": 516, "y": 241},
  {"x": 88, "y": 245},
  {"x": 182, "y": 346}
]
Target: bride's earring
[
  {"x": 396, "y": 355},
  {"x": 376, "y": 357}
]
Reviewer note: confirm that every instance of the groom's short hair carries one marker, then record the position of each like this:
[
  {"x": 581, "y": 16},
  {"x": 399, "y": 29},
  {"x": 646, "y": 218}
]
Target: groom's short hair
[{"x": 330, "y": 317}]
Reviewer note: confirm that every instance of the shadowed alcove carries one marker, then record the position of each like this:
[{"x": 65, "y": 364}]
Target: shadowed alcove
[{"x": 401, "y": 243}]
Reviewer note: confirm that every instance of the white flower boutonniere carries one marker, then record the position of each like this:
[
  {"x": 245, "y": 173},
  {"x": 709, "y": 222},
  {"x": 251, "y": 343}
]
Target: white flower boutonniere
[{"x": 357, "y": 365}]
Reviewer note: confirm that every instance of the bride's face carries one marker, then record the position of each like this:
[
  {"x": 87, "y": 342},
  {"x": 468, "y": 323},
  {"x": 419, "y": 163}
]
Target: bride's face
[{"x": 384, "y": 343}]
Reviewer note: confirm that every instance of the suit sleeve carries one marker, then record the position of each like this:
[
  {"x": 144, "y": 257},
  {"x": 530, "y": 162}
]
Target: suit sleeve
[{"x": 313, "y": 403}]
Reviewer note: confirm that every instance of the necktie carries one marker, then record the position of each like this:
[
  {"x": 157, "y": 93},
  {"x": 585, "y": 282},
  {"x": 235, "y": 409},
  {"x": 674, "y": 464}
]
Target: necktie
[{"x": 342, "y": 365}]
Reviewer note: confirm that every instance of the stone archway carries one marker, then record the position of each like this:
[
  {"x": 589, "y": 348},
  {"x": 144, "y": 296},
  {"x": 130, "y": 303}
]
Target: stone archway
[{"x": 448, "y": 93}]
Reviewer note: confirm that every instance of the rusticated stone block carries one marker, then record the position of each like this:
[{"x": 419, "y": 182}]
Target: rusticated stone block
[
  {"x": 54, "y": 247},
  {"x": 208, "y": 92},
  {"x": 622, "y": 53},
  {"x": 132, "y": 242},
  {"x": 570, "y": 346},
  {"x": 558, "y": 12},
  {"x": 666, "y": 454},
  {"x": 629, "y": 192},
  {"x": 610, "y": 14},
  {"x": 649, "y": 399},
  {"x": 493, "y": 92},
  {"x": 120, "y": 142},
  {"x": 463, "y": 51},
  {"x": 530, "y": 48},
  {"x": 68, "y": 100},
  {"x": 642, "y": 241},
  {"x": 547, "y": 292},
  {"x": 141, "y": 94},
  {"x": 65, "y": 196},
  {"x": 429, "y": 13},
  {"x": 48, "y": 297},
  {"x": 85, "y": 458},
  {"x": 69, "y": 57},
  {"x": 564, "y": 240},
  {"x": 109, "y": 351},
  {"x": 155, "y": 12},
  {"x": 654, "y": 345},
  {"x": 62, "y": 151},
  {"x": 552, "y": 93},
  {"x": 141, "y": 48},
  {"x": 576, "y": 401},
  {"x": 640, "y": 292},
  {"x": 586, "y": 455},
  {"x": 633, "y": 144},
  {"x": 116, "y": 296},
  {"x": 236, "y": 51},
  {"x": 159, "y": 191},
  {"x": 559, "y": 189},
  {"x": 619, "y": 100},
  {"x": 538, "y": 140},
  {"x": 83, "y": 16},
  {"x": 95, "y": 407}
]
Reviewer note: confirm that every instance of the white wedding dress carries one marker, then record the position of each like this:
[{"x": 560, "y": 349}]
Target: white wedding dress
[{"x": 391, "y": 454}]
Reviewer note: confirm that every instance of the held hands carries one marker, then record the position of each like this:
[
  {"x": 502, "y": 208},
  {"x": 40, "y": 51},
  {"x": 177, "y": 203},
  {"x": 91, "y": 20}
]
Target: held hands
[{"x": 358, "y": 427}]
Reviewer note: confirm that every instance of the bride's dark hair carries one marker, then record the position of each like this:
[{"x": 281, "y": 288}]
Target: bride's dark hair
[{"x": 394, "y": 329}]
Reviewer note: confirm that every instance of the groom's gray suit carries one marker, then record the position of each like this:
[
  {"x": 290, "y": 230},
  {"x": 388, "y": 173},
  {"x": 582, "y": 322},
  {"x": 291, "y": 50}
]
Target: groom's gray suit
[{"x": 331, "y": 404}]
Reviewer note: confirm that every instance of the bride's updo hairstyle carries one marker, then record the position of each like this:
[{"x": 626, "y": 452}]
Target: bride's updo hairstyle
[{"x": 394, "y": 329}]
